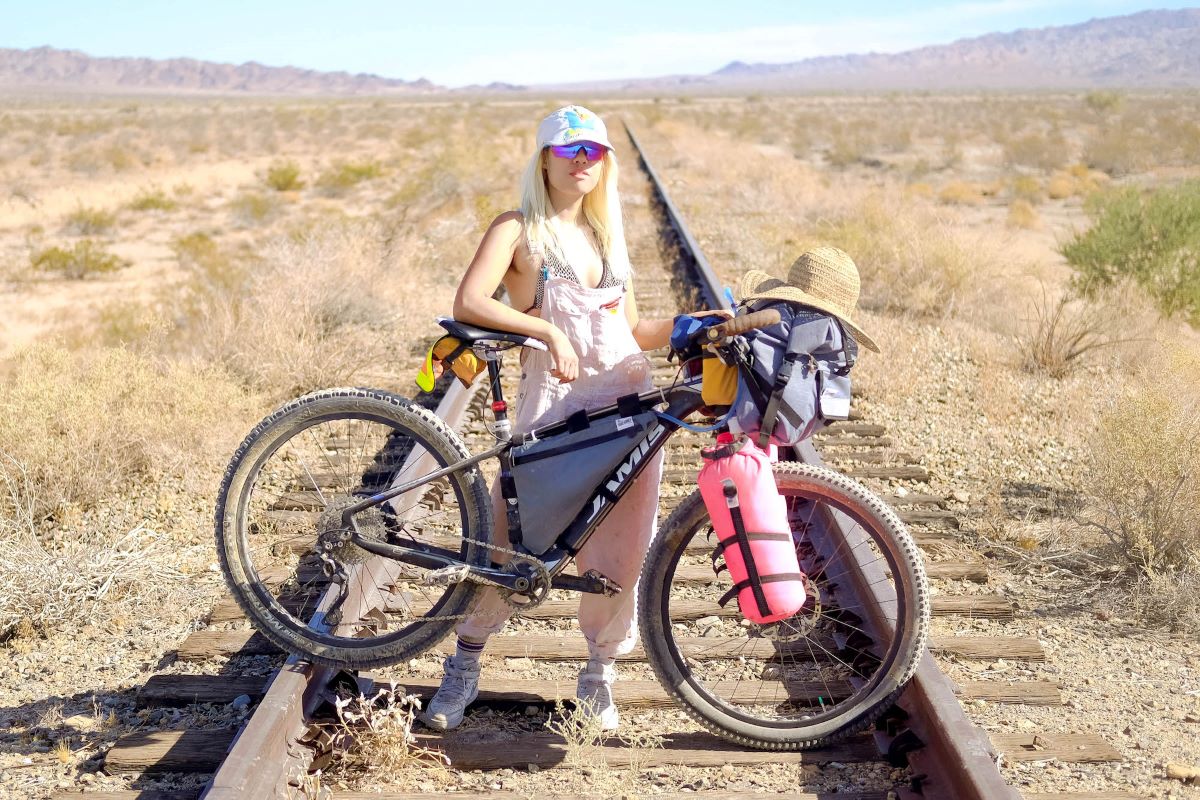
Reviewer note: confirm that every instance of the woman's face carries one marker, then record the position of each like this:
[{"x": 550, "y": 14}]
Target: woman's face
[{"x": 575, "y": 176}]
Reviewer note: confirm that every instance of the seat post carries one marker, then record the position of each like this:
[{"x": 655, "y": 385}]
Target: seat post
[{"x": 499, "y": 406}]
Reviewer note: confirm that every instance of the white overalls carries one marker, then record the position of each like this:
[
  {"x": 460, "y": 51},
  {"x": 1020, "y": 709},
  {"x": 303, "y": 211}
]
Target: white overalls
[{"x": 610, "y": 365}]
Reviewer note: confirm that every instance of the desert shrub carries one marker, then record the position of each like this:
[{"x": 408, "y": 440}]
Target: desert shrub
[
  {"x": 1144, "y": 473},
  {"x": 1103, "y": 100},
  {"x": 961, "y": 193},
  {"x": 1037, "y": 150},
  {"x": 345, "y": 175},
  {"x": 79, "y": 427},
  {"x": 1065, "y": 330},
  {"x": 1027, "y": 188},
  {"x": 44, "y": 585},
  {"x": 253, "y": 208},
  {"x": 910, "y": 260},
  {"x": 374, "y": 735},
  {"x": 152, "y": 200},
  {"x": 85, "y": 258},
  {"x": 84, "y": 221},
  {"x": 1022, "y": 214},
  {"x": 284, "y": 177},
  {"x": 1121, "y": 148},
  {"x": 1061, "y": 186},
  {"x": 1151, "y": 238},
  {"x": 308, "y": 315}
]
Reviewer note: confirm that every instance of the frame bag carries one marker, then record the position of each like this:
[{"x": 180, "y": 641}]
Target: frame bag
[{"x": 556, "y": 476}]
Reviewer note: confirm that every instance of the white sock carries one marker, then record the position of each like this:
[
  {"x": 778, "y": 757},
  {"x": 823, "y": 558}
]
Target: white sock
[{"x": 467, "y": 653}]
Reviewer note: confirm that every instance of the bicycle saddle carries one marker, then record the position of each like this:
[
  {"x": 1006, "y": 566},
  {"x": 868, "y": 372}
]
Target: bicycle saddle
[{"x": 471, "y": 334}]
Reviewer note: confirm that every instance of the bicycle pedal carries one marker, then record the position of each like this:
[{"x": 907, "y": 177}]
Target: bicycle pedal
[
  {"x": 608, "y": 587},
  {"x": 446, "y": 575}
]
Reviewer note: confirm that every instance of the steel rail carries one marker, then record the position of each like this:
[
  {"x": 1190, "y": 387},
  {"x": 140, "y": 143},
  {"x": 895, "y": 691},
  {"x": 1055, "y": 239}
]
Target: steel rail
[
  {"x": 266, "y": 758},
  {"x": 950, "y": 758}
]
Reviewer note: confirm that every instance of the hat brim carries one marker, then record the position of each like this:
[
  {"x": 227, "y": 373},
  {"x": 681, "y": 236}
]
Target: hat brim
[
  {"x": 597, "y": 139},
  {"x": 758, "y": 285}
]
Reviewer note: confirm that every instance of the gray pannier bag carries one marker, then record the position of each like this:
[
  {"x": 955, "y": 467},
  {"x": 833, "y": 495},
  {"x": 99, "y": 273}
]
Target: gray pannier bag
[
  {"x": 802, "y": 368},
  {"x": 555, "y": 477}
]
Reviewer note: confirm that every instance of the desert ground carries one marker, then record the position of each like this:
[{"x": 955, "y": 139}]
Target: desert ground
[{"x": 171, "y": 269}]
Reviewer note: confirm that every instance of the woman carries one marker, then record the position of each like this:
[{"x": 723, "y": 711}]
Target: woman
[{"x": 562, "y": 257}]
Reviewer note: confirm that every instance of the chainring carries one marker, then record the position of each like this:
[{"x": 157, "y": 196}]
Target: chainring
[{"x": 539, "y": 583}]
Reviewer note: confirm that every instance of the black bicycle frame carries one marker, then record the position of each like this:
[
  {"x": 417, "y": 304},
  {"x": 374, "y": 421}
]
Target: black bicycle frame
[{"x": 681, "y": 400}]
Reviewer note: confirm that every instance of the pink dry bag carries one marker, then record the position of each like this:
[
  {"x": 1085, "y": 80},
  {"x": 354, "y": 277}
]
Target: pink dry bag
[{"x": 751, "y": 521}]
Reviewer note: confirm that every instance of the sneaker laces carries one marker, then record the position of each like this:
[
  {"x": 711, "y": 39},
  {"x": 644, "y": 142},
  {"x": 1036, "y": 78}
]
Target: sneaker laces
[{"x": 454, "y": 688}]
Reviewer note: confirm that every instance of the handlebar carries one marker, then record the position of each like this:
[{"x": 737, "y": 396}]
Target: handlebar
[{"x": 738, "y": 325}]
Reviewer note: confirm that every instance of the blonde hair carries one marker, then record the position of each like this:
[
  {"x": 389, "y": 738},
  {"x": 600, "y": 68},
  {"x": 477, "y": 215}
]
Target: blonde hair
[{"x": 601, "y": 208}]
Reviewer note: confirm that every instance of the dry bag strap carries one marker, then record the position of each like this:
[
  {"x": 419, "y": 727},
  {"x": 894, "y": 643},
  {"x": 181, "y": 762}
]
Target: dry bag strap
[
  {"x": 739, "y": 530},
  {"x": 737, "y": 587},
  {"x": 754, "y": 537},
  {"x": 781, "y": 381},
  {"x": 759, "y": 537}
]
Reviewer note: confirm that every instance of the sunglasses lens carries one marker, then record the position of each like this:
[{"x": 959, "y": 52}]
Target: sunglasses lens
[{"x": 593, "y": 152}]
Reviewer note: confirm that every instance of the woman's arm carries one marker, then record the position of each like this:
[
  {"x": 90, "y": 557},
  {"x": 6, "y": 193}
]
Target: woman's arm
[
  {"x": 651, "y": 334},
  {"x": 474, "y": 304}
]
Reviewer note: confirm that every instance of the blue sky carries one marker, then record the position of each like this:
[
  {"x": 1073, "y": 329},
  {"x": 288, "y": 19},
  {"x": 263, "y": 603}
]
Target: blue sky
[{"x": 456, "y": 43}]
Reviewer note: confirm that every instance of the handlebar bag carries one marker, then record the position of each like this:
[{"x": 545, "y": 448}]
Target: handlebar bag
[
  {"x": 555, "y": 477},
  {"x": 799, "y": 375}
]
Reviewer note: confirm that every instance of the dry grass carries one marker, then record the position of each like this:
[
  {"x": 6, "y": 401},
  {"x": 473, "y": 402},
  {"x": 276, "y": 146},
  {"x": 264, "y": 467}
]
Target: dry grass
[
  {"x": 1022, "y": 214},
  {"x": 45, "y": 585},
  {"x": 589, "y": 772},
  {"x": 1145, "y": 475},
  {"x": 1065, "y": 330},
  {"x": 79, "y": 428},
  {"x": 373, "y": 737},
  {"x": 910, "y": 260},
  {"x": 85, "y": 221},
  {"x": 309, "y": 315}
]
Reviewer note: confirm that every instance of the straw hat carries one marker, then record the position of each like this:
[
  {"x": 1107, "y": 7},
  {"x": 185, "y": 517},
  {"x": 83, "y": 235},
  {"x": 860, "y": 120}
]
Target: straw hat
[{"x": 824, "y": 278}]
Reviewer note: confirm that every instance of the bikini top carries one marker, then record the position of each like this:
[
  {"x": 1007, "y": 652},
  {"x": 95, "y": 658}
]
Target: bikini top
[{"x": 553, "y": 265}]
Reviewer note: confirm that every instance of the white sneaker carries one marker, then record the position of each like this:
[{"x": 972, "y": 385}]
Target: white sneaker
[
  {"x": 460, "y": 687},
  {"x": 594, "y": 694}
]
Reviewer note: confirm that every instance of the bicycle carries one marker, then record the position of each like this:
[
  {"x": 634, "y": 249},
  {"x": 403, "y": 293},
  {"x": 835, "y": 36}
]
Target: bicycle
[{"x": 354, "y": 528}]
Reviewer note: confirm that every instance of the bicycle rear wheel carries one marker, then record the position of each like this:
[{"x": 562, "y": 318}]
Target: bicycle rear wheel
[
  {"x": 285, "y": 552},
  {"x": 814, "y": 678}
]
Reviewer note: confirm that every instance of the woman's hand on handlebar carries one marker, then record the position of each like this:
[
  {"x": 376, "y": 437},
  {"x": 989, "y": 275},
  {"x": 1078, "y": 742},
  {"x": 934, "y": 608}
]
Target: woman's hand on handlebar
[
  {"x": 724, "y": 313},
  {"x": 566, "y": 363}
]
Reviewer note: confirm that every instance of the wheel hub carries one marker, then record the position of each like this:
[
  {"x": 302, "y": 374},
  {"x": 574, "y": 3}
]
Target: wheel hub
[
  {"x": 333, "y": 538},
  {"x": 801, "y": 624}
]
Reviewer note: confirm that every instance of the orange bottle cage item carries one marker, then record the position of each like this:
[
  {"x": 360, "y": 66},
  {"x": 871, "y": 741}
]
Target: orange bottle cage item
[
  {"x": 449, "y": 352},
  {"x": 719, "y": 382}
]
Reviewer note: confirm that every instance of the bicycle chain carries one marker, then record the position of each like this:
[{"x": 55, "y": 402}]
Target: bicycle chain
[{"x": 488, "y": 582}]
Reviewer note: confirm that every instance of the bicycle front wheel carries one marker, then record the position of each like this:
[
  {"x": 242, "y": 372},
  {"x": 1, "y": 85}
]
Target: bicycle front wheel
[
  {"x": 287, "y": 556},
  {"x": 818, "y": 676}
]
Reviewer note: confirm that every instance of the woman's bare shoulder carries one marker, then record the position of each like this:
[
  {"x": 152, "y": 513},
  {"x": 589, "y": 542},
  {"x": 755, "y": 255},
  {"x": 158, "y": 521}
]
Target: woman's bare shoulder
[{"x": 509, "y": 224}]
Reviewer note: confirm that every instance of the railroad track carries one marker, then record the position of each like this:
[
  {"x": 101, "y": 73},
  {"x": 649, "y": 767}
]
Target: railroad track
[{"x": 928, "y": 734}]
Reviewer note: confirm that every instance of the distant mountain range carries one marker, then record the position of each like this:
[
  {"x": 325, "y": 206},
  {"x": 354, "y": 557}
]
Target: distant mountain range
[
  {"x": 1149, "y": 49},
  {"x": 47, "y": 68}
]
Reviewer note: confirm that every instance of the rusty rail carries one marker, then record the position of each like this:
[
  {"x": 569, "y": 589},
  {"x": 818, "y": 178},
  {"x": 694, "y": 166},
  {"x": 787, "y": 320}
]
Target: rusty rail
[
  {"x": 950, "y": 757},
  {"x": 266, "y": 758}
]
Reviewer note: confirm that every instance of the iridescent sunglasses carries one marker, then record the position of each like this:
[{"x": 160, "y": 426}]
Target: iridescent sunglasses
[{"x": 593, "y": 151}]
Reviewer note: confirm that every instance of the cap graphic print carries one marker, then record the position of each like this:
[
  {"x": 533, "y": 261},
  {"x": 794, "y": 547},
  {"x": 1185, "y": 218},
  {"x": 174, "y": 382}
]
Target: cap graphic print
[{"x": 571, "y": 124}]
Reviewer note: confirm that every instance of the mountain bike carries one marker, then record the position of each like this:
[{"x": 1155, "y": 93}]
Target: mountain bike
[{"x": 354, "y": 528}]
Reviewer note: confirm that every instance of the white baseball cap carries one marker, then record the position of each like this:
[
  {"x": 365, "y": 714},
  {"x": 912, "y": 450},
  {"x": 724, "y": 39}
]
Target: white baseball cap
[{"x": 571, "y": 124}]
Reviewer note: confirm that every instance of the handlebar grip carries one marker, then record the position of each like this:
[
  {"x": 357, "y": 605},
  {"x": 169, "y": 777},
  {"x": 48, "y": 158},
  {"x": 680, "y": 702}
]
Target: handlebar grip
[{"x": 750, "y": 322}]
